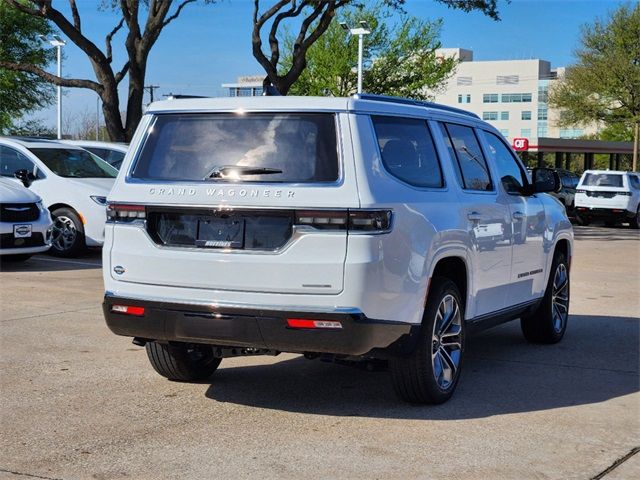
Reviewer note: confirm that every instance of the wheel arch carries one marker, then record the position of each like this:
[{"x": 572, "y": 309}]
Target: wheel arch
[{"x": 455, "y": 267}]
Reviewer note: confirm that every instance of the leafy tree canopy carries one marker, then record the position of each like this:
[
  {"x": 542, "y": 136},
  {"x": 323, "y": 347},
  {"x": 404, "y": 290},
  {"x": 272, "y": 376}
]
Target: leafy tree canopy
[{"x": 22, "y": 92}]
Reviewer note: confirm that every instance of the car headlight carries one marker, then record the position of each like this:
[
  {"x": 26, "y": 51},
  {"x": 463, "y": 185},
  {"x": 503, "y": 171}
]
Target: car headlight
[{"x": 99, "y": 200}]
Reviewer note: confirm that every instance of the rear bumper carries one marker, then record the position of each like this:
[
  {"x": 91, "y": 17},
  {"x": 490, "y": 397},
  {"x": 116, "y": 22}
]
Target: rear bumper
[
  {"x": 266, "y": 329},
  {"x": 597, "y": 212}
]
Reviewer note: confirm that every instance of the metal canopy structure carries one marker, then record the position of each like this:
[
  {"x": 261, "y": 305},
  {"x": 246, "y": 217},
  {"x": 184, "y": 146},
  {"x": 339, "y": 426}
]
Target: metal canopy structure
[{"x": 564, "y": 148}]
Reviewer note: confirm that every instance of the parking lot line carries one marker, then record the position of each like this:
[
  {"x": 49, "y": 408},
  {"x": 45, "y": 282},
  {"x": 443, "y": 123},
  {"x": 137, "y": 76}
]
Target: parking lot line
[{"x": 74, "y": 262}]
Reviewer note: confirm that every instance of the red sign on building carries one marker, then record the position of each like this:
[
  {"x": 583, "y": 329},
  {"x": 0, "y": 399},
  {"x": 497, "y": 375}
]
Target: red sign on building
[{"x": 520, "y": 144}]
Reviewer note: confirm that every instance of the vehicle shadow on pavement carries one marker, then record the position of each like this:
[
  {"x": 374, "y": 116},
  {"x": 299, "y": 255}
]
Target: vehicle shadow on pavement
[
  {"x": 503, "y": 374},
  {"x": 618, "y": 232},
  {"x": 47, "y": 263}
]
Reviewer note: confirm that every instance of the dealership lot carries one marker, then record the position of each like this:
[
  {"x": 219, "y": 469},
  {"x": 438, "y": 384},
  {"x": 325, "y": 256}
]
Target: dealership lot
[{"x": 79, "y": 402}]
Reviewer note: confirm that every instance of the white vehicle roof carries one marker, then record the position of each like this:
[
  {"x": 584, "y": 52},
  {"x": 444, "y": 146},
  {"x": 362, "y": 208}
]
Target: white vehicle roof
[
  {"x": 120, "y": 147},
  {"x": 13, "y": 192},
  {"x": 357, "y": 103},
  {"x": 619, "y": 172},
  {"x": 32, "y": 142}
]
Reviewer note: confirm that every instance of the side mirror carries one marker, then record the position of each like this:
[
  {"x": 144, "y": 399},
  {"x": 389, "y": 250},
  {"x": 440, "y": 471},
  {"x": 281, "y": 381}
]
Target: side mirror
[
  {"x": 25, "y": 177},
  {"x": 545, "y": 180}
]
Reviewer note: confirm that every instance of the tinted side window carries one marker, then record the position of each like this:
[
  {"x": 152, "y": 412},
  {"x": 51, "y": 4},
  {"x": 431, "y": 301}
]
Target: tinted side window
[
  {"x": 11, "y": 161},
  {"x": 511, "y": 175},
  {"x": 472, "y": 166},
  {"x": 635, "y": 181},
  {"x": 407, "y": 149}
]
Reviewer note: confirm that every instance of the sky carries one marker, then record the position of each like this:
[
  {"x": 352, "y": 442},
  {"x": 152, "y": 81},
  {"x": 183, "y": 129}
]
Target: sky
[{"x": 211, "y": 44}]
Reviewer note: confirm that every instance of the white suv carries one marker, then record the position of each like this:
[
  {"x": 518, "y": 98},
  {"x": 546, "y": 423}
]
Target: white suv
[
  {"x": 354, "y": 228},
  {"x": 608, "y": 195}
]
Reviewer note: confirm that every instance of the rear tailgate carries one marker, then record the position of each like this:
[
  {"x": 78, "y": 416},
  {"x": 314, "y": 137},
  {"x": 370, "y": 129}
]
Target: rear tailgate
[{"x": 236, "y": 233}]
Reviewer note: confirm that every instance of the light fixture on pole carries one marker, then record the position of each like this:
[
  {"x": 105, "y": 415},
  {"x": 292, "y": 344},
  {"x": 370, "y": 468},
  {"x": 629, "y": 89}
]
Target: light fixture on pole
[
  {"x": 360, "y": 32},
  {"x": 56, "y": 41}
]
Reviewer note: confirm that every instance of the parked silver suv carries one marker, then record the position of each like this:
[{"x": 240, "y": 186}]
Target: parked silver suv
[{"x": 353, "y": 228}]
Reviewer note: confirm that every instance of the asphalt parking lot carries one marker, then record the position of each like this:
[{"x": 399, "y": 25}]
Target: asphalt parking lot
[{"x": 79, "y": 402}]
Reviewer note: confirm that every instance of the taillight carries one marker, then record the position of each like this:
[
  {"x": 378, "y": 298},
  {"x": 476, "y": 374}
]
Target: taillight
[
  {"x": 128, "y": 310},
  {"x": 313, "y": 324},
  {"x": 120, "y": 212},
  {"x": 372, "y": 221}
]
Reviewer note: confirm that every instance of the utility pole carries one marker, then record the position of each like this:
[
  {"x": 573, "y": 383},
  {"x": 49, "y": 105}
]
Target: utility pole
[
  {"x": 636, "y": 141},
  {"x": 150, "y": 89},
  {"x": 58, "y": 43}
]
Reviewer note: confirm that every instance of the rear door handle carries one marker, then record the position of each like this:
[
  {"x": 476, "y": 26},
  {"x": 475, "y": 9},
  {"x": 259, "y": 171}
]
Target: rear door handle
[
  {"x": 474, "y": 216},
  {"x": 518, "y": 215}
]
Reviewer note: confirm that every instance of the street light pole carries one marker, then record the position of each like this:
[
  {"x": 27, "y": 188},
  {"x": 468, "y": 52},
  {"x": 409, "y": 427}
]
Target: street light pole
[
  {"x": 57, "y": 42},
  {"x": 360, "y": 32}
]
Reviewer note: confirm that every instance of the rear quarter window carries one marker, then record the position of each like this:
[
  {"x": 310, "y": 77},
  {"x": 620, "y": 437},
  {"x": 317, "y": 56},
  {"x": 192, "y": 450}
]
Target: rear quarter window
[
  {"x": 296, "y": 148},
  {"x": 407, "y": 150},
  {"x": 602, "y": 180}
]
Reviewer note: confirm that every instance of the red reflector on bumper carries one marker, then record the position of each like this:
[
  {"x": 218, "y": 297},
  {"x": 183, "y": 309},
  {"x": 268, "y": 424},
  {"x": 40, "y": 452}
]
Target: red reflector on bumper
[
  {"x": 305, "y": 323},
  {"x": 128, "y": 310}
]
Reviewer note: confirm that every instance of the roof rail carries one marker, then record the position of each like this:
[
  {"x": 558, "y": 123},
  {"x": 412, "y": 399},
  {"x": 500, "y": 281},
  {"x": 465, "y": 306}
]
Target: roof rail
[{"x": 408, "y": 101}]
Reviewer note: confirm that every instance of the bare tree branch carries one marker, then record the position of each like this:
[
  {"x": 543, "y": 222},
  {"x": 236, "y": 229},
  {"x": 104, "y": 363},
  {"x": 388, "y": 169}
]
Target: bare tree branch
[
  {"x": 120, "y": 75},
  {"x": 109, "y": 37},
  {"x": 177, "y": 12},
  {"x": 63, "y": 82},
  {"x": 273, "y": 38},
  {"x": 76, "y": 15}
]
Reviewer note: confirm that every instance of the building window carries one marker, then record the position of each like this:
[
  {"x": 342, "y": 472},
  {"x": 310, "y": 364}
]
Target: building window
[
  {"x": 490, "y": 98},
  {"x": 543, "y": 93},
  {"x": 525, "y": 132},
  {"x": 542, "y": 129},
  {"x": 526, "y": 115},
  {"x": 504, "y": 132},
  {"x": 542, "y": 112},
  {"x": 571, "y": 132},
  {"x": 504, "y": 115},
  {"x": 516, "y": 97},
  {"x": 508, "y": 79},
  {"x": 464, "y": 98},
  {"x": 464, "y": 81},
  {"x": 490, "y": 115}
]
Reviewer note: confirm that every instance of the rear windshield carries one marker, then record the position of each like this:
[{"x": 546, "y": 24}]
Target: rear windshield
[
  {"x": 602, "y": 180},
  {"x": 254, "y": 147}
]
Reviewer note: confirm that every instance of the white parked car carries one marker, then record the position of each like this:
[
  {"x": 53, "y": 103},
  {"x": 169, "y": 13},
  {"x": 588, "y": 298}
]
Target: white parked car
[
  {"x": 608, "y": 195},
  {"x": 353, "y": 228},
  {"x": 72, "y": 182},
  {"x": 111, "y": 152},
  {"x": 25, "y": 223}
]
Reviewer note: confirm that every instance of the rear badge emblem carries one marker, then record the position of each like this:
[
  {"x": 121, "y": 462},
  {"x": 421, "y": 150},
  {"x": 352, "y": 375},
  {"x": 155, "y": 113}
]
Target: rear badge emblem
[{"x": 119, "y": 270}]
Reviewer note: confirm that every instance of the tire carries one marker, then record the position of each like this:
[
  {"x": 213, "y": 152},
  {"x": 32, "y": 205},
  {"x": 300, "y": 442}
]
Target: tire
[
  {"x": 15, "y": 258},
  {"x": 68, "y": 233},
  {"x": 635, "y": 222},
  {"x": 182, "y": 362},
  {"x": 549, "y": 322},
  {"x": 426, "y": 377},
  {"x": 583, "y": 221}
]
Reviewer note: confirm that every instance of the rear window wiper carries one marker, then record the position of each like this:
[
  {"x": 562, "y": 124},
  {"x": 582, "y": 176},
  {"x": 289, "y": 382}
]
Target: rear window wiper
[{"x": 223, "y": 171}]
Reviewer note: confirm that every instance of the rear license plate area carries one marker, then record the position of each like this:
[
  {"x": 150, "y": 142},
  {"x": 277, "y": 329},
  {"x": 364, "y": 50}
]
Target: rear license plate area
[{"x": 220, "y": 232}]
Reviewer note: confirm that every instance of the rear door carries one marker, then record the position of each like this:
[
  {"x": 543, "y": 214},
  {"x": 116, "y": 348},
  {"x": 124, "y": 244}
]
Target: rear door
[
  {"x": 246, "y": 201},
  {"x": 528, "y": 223},
  {"x": 487, "y": 219}
]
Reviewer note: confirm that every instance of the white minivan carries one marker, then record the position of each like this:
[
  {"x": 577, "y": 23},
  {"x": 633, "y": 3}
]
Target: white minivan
[
  {"x": 608, "y": 195},
  {"x": 347, "y": 228},
  {"x": 72, "y": 182}
]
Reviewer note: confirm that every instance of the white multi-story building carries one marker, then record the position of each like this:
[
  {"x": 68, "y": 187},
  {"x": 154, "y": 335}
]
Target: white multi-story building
[{"x": 510, "y": 94}]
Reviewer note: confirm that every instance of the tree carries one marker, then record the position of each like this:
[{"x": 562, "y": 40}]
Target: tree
[
  {"x": 316, "y": 17},
  {"x": 143, "y": 21},
  {"x": 22, "y": 92},
  {"x": 401, "y": 61},
  {"x": 604, "y": 83}
]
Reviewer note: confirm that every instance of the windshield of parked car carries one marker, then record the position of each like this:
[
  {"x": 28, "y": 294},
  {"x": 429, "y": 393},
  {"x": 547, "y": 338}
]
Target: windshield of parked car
[
  {"x": 247, "y": 147},
  {"x": 602, "y": 180},
  {"x": 74, "y": 163}
]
